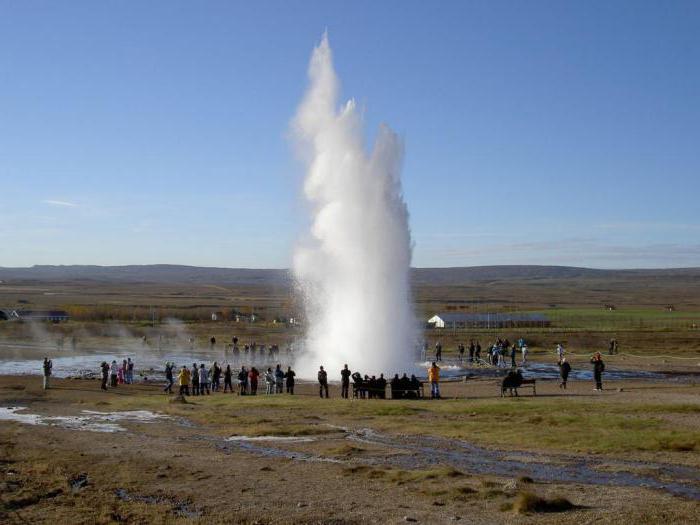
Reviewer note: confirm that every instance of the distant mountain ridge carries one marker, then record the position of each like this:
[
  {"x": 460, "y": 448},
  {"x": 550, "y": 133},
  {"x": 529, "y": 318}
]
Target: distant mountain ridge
[{"x": 177, "y": 274}]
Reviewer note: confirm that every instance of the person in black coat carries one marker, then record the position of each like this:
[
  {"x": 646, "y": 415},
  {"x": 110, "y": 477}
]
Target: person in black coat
[
  {"x": 564, "y": 369},
  {"x": 322, "y": 382},
  {"x": 345, "y": 374},
  {"x": 598, "y": 368},
  {"x": 289, "y": 376}
]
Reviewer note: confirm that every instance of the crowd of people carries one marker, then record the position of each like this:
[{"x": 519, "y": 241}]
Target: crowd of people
[
  {"x": 501, "y": 353},
  {"x": 201, "y": 379},
  {"x": 373, "y": 387},
  {"x": 117, "y": 374}
]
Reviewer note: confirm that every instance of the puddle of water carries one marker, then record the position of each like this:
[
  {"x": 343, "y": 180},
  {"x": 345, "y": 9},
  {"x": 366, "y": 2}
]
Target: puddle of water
[
  {"x": 428, "y": 452},
  {"x": 91, "y": 421},
  {"x": 287, "y": 439},
  {"x": 539, "y": 371}
]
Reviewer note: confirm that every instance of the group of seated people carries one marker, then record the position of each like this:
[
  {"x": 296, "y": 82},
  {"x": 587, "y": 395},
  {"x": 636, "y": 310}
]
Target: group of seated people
[
  {"x": 375, "y": 387},
  {"x": 368, "y": 387},
  {"x": 405, "y": 388}
]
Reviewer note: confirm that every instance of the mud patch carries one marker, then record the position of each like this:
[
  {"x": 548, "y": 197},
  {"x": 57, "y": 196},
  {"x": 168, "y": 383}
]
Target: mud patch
[{"x": 181, "y": 508}]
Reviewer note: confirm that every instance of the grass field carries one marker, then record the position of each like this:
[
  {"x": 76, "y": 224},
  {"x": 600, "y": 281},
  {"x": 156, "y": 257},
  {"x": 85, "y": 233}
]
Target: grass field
[
  {"x": 168, "y": 468},
  {"x": 363, "y": 461}
]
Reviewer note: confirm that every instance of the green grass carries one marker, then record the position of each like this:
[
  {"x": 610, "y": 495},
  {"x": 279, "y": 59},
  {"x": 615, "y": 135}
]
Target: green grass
[
  {"x": 620, "y": 319},
  {"x": 569, "y": 425}
]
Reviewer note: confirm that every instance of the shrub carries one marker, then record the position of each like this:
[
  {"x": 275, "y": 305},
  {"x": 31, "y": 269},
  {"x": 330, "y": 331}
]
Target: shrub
[{"x": 529, "y": 502}]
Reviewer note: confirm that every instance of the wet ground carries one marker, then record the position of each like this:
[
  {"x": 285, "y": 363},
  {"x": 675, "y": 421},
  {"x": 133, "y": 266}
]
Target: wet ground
[
  {"x": 26, "y": 358},
  {"x": 404, "y": 452},
  {"x": 136, "y": 455}
]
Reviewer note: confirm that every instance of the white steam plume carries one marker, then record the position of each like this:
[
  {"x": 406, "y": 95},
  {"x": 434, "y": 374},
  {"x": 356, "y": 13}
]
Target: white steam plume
[{"x": 354, "y": 269}]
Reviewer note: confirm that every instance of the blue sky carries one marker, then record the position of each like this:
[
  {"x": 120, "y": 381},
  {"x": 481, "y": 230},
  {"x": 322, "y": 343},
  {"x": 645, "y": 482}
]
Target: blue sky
[{"x": 535, "y": 132}]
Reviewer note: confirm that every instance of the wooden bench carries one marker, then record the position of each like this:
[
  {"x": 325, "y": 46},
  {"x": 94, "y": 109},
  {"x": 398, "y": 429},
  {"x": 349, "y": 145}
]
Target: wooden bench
[
  {"x": 418, "y": 392},
  {"x": 529, "y": 383}
]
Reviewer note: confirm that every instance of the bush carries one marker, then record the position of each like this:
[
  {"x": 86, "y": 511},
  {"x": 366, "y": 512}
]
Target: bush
[{"x": 528, "y": 502}]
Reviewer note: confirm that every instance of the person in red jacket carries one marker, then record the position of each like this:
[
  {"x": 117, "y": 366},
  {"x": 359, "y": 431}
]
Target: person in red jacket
[{"x": 253, "y": 378}]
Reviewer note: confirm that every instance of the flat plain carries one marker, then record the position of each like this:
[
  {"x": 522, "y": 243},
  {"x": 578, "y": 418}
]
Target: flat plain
[{"x": 626, "y": 455}]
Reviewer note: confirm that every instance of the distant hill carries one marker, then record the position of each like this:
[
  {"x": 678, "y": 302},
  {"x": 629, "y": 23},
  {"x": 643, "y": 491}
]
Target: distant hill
[
  {"x": 470, "y": 274},
  {"x": 154, "y": 273},
  {"x": 176, "y": 274}
]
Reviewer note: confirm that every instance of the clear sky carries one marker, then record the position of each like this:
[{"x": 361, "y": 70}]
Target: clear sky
[{"x": 536, "y": 132}]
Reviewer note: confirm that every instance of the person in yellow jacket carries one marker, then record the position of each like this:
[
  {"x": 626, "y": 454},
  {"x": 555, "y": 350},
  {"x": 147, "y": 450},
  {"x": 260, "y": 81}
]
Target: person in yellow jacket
[
  {"x": 434, "y": 378},
  {"x": 183, "y": 379}
]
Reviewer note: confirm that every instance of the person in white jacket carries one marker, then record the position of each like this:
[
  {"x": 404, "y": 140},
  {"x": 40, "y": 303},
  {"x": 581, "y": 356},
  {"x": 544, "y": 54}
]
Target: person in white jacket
[
  {"x": 560, "y": 351},
  {"x": 203, "y": 380},
  {"x": 113, "y": 373},
  {"x": 269, "y": 381}
]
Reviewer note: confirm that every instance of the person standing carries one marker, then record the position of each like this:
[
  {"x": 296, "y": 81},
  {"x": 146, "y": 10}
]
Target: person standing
[
  {"x": 438, "y": 351},
  {"x": 322, "y": 382},
  {"x": 345, "y": 374},
  {"x": 104, "y": 370},
  {"x": 472, "y": 349},
  {"x": 560, "y": 351},
  {"x": 564, "y": 369},
  {"x": 269, "y": 381},
  {"x": 381, "y": 386},
  {"x": 524, "y": 351},
  {"x": 434, "y": 378},
  {"x": 129, "y": 371},
  {"x": 215, "y": 377},
  {"x": 253, "y": 377},
  {"x": 513, "y": 351},
  {"x": 477, "y": 351},
  {"x": 113, "y": 374},
  {"x": 169, "y": 378},
  {"x": 460, "y": 349},
  {"x": 183, "y": 379},
  {"x": 289, "y": 376},
  {"x": 598, "y": 368},
  {"x": 203, "y": 380},
  {"x": 47, "y": 366},
  {"x": 279, "y": 380},
  {"x": 242, "y": 381},
  {"x": 121, "y": 373},
  {"x": 195, "y": 379},
  {"x": 228, "y": 384}
]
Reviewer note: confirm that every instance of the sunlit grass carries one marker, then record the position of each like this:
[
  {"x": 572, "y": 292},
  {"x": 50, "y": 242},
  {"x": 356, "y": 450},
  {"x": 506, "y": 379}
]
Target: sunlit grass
[{"x": 572, "y": 425}]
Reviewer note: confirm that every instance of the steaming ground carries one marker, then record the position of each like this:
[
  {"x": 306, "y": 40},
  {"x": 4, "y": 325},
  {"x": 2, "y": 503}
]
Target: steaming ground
[{"x": 353, "y": 267}]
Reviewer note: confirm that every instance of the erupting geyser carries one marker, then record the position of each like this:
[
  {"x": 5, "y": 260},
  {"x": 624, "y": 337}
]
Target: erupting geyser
[{"x": 353, "y": 270}]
